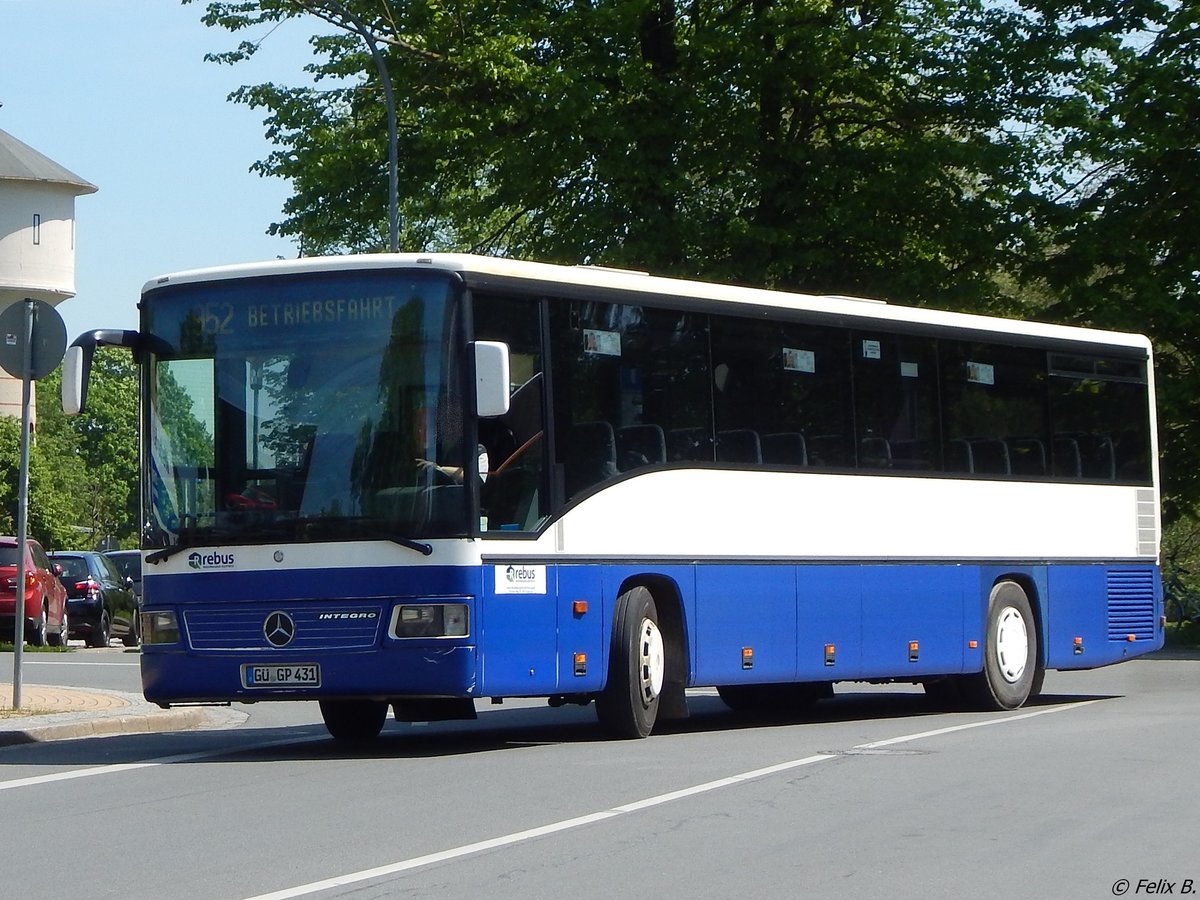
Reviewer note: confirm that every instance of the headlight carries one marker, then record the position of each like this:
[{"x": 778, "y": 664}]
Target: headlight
[
  {"x": 430, "y": 620},
  {"x": 160, "y": 628}
]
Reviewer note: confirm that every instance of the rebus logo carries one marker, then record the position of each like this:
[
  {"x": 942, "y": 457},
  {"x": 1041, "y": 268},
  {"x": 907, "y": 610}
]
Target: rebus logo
[
  {"x": 521, "y": 574},
  {"x": 214, "y": 560}
]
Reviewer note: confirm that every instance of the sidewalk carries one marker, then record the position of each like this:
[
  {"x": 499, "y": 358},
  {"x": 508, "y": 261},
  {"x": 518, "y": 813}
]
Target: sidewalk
[{"x": 50, "y": 713}]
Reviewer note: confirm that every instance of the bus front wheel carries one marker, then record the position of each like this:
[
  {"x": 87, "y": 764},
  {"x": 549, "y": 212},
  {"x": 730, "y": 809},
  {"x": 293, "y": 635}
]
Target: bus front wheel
[
  {"x": 1011, "y": 666},
  {"x": 628, "y": 706},
  {"x": 354, "y": 720}
]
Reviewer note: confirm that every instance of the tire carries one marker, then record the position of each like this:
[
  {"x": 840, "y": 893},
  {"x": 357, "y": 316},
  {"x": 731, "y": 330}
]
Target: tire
[
  {"x": 38, "y": 636},
  {"x": 1012, "y": 663},
  {"x": 100, "y": 634},
  {"x": 60, "y": 639},
  {"x": 354, "y": 720},
  {"x": 628, "y": 705}
]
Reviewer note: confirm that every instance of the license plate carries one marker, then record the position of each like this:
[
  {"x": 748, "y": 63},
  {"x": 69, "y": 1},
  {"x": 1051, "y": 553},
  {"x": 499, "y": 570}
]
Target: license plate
[{"x": 279, "y": 675}]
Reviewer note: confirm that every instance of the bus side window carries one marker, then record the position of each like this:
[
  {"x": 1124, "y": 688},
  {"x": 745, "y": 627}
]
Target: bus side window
[{"x": 513, "y": 493}]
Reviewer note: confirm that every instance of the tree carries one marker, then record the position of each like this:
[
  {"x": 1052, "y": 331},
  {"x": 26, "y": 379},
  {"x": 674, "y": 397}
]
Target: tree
[
  {"x": 1032, "y": 157},
  {"x": 95, "y": 455},
  {"x": 1123, "y": 253},
  {"x": 877, "y": 148},
  {"x": 51, "y": 497}
]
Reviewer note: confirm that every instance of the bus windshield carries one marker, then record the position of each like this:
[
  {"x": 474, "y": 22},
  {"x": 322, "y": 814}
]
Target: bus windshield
[{"x": 328, "y": 407}]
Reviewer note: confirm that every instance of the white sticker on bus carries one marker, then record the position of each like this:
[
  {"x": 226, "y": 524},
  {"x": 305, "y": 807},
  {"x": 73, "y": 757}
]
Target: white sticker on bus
[{"x": 515, "y": 578}]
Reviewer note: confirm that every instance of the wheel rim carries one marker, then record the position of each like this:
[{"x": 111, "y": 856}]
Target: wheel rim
[
  {"x": 651, "y": 661},
  {"x": 1012, "y": 644}
]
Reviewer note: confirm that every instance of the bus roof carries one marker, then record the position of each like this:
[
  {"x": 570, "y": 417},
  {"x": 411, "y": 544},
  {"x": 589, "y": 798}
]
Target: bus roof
[{"x": 485, "y": 269}]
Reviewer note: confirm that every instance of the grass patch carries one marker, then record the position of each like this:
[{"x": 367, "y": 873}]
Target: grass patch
[
  {"x": 7, "y": 647},
  {"x": 1185, "y": 636}
]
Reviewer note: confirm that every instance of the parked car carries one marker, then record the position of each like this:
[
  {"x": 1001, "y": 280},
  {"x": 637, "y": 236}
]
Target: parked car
[
  {"x": 46, "y": 613},
  {"x": 100, "y": 600},
  {"x": 129, "y": 564}
]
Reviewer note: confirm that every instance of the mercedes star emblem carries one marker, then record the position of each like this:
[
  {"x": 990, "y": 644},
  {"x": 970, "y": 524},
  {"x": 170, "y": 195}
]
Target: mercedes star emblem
[{"x": 279, "y": 629}]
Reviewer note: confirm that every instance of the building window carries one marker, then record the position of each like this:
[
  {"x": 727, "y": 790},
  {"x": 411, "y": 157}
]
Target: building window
[{"x": 37, "y": 228}]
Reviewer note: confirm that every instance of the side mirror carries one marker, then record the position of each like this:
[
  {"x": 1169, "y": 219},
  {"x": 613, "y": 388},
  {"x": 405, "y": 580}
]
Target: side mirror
[
  {"x": 491, "y": 379},
  {"x": 76, "y": 366}
]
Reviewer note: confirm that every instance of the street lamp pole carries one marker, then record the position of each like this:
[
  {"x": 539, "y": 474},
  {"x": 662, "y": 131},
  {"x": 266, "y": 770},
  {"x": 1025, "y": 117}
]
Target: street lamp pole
[
  {"x": 337, "y": 14},
  {"x": 389, "y": 97}
]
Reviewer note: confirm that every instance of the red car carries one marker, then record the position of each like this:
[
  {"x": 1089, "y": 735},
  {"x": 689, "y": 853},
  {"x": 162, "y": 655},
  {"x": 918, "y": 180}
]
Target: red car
[{"x": 45, "y": 597}]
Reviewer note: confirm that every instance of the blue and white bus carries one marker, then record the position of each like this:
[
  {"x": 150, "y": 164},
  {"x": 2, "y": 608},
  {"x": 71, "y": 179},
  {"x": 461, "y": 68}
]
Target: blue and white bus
[{"x": 410, "y": 482}]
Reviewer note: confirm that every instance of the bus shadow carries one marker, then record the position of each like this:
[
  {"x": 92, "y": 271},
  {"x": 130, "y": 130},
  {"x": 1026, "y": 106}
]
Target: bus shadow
[{"x": 498, "y": 730}]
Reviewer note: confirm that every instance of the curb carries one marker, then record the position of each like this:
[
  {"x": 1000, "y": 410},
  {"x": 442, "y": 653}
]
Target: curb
[{"x": 134, "y": 716}]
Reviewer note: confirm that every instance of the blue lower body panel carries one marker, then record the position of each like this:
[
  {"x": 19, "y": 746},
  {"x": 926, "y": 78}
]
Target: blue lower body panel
[{"x": 733, "y": 623}]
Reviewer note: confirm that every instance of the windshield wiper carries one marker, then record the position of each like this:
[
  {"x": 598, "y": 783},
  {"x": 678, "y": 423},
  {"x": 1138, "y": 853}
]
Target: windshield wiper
[
  {"x": 315, "y": 528},
  {"x": 187, "y": 540},
  {"x": 165, "y": 553},
  {"x": 420, "y": 546}
]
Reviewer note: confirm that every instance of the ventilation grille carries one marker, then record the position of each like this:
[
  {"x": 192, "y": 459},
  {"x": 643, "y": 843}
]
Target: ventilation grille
[
  {"x": 1130, "y": 604},
  {"x": 336, "y": 626},
  {"x": 1147, "y": 519}
]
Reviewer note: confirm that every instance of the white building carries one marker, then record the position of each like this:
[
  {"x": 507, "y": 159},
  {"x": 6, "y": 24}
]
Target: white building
[{"x": 37, "y": 236}]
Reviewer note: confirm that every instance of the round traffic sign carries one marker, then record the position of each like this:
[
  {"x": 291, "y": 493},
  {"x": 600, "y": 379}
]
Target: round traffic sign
[{"x": 49, "y": 339}]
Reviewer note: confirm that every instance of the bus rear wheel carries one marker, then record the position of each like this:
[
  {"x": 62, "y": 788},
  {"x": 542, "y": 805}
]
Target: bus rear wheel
[
  {"x": 1012, "y": 670},
  {"x": 354, "y": 720},
  {"x": 628, "y": 706}
]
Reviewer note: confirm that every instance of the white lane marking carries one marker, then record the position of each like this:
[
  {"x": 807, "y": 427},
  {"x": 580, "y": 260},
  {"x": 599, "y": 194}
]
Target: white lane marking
[
  {"x": 72, "y": 774},
  {"x": 937, "y": 732},
  {"x": 71, "y": 662},
  {"x": 636, "y": 806}
]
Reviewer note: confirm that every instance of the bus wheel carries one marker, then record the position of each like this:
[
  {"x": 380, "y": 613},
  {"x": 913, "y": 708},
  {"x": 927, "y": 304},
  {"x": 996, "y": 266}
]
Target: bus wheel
[
  {"x": 628, "y": 706},
  {"x": 354, "y": 720},
  {"x": 1011, "y": 667}
]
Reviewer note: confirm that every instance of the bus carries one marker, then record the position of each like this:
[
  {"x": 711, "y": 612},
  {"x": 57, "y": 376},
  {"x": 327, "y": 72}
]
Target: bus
[{"x": 409, "y": 482}]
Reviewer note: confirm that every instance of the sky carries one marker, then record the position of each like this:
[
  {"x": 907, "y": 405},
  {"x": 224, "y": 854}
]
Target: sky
[{"x": 118, "y": 92}]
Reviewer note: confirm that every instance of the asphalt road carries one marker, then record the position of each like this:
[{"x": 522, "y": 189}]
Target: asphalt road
[{"x": 1090, "y": 793}]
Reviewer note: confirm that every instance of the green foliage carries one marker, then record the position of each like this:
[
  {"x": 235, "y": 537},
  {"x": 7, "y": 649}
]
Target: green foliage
[
  {"x": 1123, "y": 250},
  {"x": 870, "y": 148},
  {"x": 1036, "y": 157},
  {"x": 94, "y": 455},
  {"x": 1181, "y": 569},
  {"x": 50, "y": 495}
]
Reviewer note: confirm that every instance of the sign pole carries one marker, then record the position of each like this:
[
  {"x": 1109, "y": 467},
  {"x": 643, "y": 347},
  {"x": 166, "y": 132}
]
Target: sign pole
[
  {"x": 32, "y": 340},
  {"x": 22, "y": 501}
]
